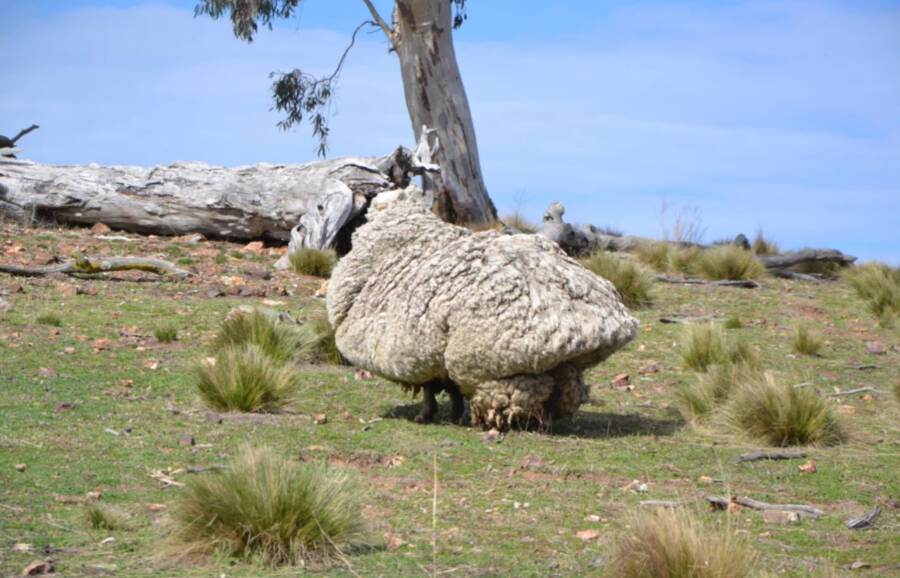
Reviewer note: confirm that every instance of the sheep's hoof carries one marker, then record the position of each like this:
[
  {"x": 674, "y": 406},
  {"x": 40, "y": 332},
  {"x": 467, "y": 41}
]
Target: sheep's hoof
[{"x": 429, "y": 406}]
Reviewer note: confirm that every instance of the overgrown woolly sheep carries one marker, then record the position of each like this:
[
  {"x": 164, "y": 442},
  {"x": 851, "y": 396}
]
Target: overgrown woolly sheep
[{"x": 510, "y": 320}]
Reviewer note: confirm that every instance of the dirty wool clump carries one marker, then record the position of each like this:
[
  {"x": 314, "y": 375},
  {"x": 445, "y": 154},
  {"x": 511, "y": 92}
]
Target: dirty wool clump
[{"x": 509, "y": 319}]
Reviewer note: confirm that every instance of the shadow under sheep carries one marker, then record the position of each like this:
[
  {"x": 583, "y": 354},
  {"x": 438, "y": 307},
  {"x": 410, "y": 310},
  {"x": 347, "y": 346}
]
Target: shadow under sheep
[{"x": 584, "y": 424}]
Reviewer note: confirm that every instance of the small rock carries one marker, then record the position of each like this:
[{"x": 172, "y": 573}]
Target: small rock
[
  {"x": 100, "y": 228},
  {"x": 621, "y": 381},
  {"x": 93, "y": 496},
  {"x": 213, "y": 418},
  {"x": 320, "y": 418},
  {"x": 808, "y": 468},
  {"x": 186, "y": 440},
  {"x": 781, "y": 517},
  {"x": 153, "y": 508},
  {"x": 4, "y": 306},
  {"x": 38, "y": 568},
  {"x": 63, "y": 406},
  {"x": 65, "y": 289},
  {"x": 593, "y": 518},
  {"x": 492, "y": 437},
  {"x": 47, "y": 372},
  {"x": 588, "y": 535},
  {"x": 213, "y": 292},
  {"x": 15, "y": 287},
  {"x": 106, "y": 541},
  {"x": 68, "y": 351},
  {"x": 256, "y": 272},
  {"x": 859, "y": 564},
  {"x": 876, "y": 348},
  {"x": 22, "y": 547},
  {"x": 20, "y": 467}
]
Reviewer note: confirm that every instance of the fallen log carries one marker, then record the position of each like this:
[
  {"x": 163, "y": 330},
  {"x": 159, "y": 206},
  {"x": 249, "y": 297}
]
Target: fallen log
[
  {"x": 753, "y": 456},
  {"x": 864, "y": 521},
  {"x": 792, "y": 258},
  {"x": 804, "y": 510},
  {"x": 261, "y": 201},
  {"x": 746, "y": 283},
  {"x": 84, "y": 266}
]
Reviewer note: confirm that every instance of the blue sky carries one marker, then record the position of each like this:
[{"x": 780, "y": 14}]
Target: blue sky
[{"x": 782, "y": 116}]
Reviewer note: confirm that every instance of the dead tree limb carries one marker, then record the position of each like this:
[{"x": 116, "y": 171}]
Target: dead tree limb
[
  {"x": 753, "y": 456},
  {"x": 747, "y": 283},
  {"x": 864, "y": 521},
  {"x": 86, "y": 266},
  {"x": 857, "y": 390},
  {"x": 803, "y": 510},
  {"x": 805, "y": 256}
]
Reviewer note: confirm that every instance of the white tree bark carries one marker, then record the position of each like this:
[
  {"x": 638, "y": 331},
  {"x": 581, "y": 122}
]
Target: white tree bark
[
  {"x": 422, "y": 35},
  {"x": 261, "y": 201}
]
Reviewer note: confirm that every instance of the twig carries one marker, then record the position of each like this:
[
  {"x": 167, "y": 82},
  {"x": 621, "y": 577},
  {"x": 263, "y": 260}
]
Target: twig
[
  {"x": 857, "y": 390},
  {"x": 202, "y": 469},
  {"x": 84, "y": 266},
  {"x": 788, "y": 274},
  {"x": 753, "y": 456},
  {"x": 663, "y": 503},
  {"x": 747, "y": 283},
  {"x": 802, "y": 509},
  {"x": 864, "y": 521},
  {"x": 689, "y": 320}
]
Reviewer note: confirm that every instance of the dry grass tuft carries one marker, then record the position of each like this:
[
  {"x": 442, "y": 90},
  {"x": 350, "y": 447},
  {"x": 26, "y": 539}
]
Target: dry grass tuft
[
  {"x": 805, "y": 342},
  {"x": 315, "y": 262},
  {"x": 316, "y": 341},
  {"x": 763, "y": 246},
  {"x": 703, "y": 345},
  {"x": 729, "y": 263},
  {"x": 879, "y": 286},
  {"x": 633, "y": 284},
  {"x": 269, "y": 508},
  {"x": 517, "y": 221},
  {"x": 50, "y": 319},
  {"x": 670, "y": 544},
  {"x": 166, "y": 334},
  {"x": 244, "y": 378},
  {"x": 782, "y": 415},
  {"x": 100, "y": 517}
]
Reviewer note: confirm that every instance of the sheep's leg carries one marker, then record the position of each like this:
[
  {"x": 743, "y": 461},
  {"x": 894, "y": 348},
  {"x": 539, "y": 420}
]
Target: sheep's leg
[
  {"x": 456, "y": 398},
  {"x": 429, "y": 401}
]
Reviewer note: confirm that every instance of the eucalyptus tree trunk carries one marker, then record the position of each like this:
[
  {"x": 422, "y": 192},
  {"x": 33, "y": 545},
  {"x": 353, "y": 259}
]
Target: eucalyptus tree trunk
[{"x": 422, "y": 35}]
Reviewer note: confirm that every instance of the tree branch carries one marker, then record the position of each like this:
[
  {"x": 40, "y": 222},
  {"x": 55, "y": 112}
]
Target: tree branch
[{"x": 388, "y": 31}]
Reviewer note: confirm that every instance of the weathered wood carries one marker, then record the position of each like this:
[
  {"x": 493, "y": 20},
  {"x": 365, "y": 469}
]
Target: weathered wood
[
  {"x": 805, "y": 256},
  {"x": 85, "y": 266},
  {"x": 753, "y": 456},
  {"x": 788, "y": 274},
  {"x": 261, "y": 201},
  {"x": 663, "y": 503},
  {"x": 856, "y": 390},
  {"x": 746, "y": 283},
  {"x": 802, "y": 509},
  {"x": 864, "y": 521}
]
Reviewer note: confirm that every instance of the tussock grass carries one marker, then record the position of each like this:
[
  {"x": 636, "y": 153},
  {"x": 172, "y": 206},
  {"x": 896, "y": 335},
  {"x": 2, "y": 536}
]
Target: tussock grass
[
  {"x": 271, "y": 509},
  {"x": 733, "y": 322},
  {"x": 100, "y": 517},
  {"x": 782, "y": 415},
  {"x": 702, "y": 345},
  {"x": 805, "y": 341},
  {"x": 517, "y": 221},
  {"x": 166, "y": 333},
  {"x": 763, "y": 246},
  {"x": 315, "y": 262},
  {"x": 50, "y": 319},
  {"x": 633, "y": 284},
  {"x": 675, "y": 544},
  {"x": 879, "y": 286},
  {"x": 244, "y": 378},
  {"x": 667, "y": 258},
  {"x": 698, "y": 398},
  {"x": 729, "y": 263},
  {"x": 276, "y": 339},
  {"x": 317, "y": 340}
]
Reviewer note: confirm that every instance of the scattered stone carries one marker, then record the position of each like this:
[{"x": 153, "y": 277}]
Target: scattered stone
[
  {"x": 492, "y": 437},
  {"x": 808, "y": 468},
  {"x": 62, "y": 406},
  {"x": 876, "y": 347},
  {"x": 22, "y": 547},
  {"x": 859, "y": 564},
  {"x": 47, "y": 372},
  {"x": 65, "y": 289},
  {"x": 186, "y": 440},
  {"x": 20, "y": 467},
  {"x": 106, "y": 541},
  {"x": 320, "y": 418},
  {"x": 588, "y": 535},
  {"x": 15, "y": 287},
  {"x": 213, "y": 292},
  {"x": 213, "y": 418},
  {"x": 256, "y": 272},
  {"x": 4, "y": 306},
  {"x": 38, "y": 568},
  {"x": 100, "y": 229},
  {"x": 781, "y": 517},
  {"x": 621, "y": 381},
  {"x": 68, "y": 351},
  {"x": 153, "y": 508}
]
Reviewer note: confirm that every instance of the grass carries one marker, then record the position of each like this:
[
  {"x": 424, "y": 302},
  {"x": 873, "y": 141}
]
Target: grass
[
  {"x": 805, "y": 342},
  {"x": 703, "y": 345},
  {"x": 315, "y": 262},
  {"x": 709, "y": 390},
  {"x": 271, "y": 508},
  {"x": 317, "y": 338},
  {"x": 728, "y": 263},
  {"x": 763, "y": 246},
  {"x": 676, "y": 544},
  {"x": 783, "y": 415},
  {"x": 879, "y": 286},
  {"x": 667, "y": 258},
  {"x": 100, "y": 517},
  {"x": 633, "y": 284},
  {"x": 166, "y": 333},
  {"x": 565, "y": 480},
  {"x": 245, "y": 378},
  {"x": 278, "y": 340},
  {"x": 733, "y": 322},
  {"x": 51, "y": 319},
  {"x": 517, "y": 221}
]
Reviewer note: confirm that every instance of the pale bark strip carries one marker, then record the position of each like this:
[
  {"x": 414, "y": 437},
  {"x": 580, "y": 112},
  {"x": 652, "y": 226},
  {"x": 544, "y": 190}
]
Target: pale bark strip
[
  {"x": 802, "y": 509},
  {"x": 856, "y": 390},
  {"x": 422, "y": 35},
  {"x": 753, "y": 456},
  {"x": 86, "y": 266},
  {"x": 864, "y": 521}
]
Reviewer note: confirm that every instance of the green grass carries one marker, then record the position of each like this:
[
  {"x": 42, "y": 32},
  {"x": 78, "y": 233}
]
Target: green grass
[
  {"x": 100, "y": 517},
  {"x": 733, "y": 322},
  {"x": 424, "y": 485},
  {"x": 703, "y": 345},
  {"x": 315, "y": 262},
  {"x": 245, "y": 378},
  {"x": 783, "y": 415},
  {"x": 633, "y": 284},
  {"x": 276, "y": 339},
  {"x": 667, "y": 258},
  {"x": 271, "y": 508},
  {"x": 677, "y": 544},
  {"x": 879, "y": 286},
  {"x": 317, "y": 337},
  {"x": 728, "y": 263},
  {"x": 805, "y": 342},
  {"x": 50, "y": 319},
  {"x": 166, "y": 333},
  {"x": 700, "y": 396},
  {"x": 763, "y": 246}
]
